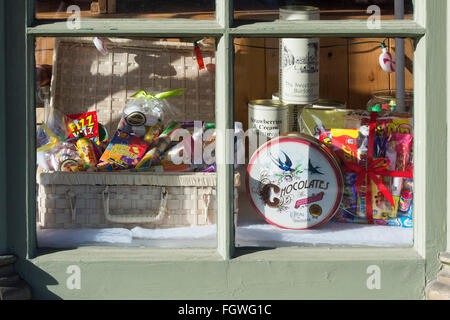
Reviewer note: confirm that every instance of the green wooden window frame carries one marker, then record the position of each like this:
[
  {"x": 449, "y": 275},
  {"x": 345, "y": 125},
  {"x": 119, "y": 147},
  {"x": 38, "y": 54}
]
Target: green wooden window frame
[{"x": 229, "y": 272}]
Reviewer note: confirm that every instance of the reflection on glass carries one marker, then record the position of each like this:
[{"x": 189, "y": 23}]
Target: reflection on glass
[
  {"x": 56, "y": 9},
  {"x": 118, "y": 124},
  {"x": 290, "y": 186},
  {"x": 329, "y": 9}
]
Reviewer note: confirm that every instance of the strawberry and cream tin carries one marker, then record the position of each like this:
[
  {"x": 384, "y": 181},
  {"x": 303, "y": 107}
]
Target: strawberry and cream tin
[
  {"x": 294, "y": 182},
  {"x": 268, "y": 117}
]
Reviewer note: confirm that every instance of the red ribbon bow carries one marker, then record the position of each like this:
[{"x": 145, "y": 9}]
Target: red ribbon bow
[
  {"x": 372, "y": 170},
  {"x": 375, "y": 168}
]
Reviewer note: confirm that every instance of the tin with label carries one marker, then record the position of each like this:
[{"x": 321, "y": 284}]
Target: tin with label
[
  {"x": 299, "y": 61},
  {"x": 327, "y": 104},
  {"x": 268, "y": 117},
  {"x": 295, "y": 112},
  {"x": 294, "y": 182}
]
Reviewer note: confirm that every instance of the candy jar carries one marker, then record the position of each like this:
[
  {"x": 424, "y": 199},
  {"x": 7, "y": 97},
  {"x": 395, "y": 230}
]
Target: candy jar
[{"x": 385, "y": 100}]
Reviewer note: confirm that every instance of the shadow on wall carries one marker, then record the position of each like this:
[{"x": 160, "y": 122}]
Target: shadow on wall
[
  {"x": 38, "y": 280},
  {"x": 84, "y": 80}
]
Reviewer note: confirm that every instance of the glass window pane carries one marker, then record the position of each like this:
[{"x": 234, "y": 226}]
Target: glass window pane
[
  {"x": 299, "y": 147},
  {"x": 119, "y": 168},
  {"x": 139, "y": 9},
  {"x": 329, "y": 9}
]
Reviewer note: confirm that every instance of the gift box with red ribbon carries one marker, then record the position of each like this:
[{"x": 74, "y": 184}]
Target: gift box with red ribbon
[{"x": 375, "y": 152}]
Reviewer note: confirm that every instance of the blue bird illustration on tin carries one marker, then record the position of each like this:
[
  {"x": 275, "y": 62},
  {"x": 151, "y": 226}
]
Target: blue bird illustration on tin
[
  {"x": 313, "y": 169},
  {"x": 289, "y": 173},
  {"x": 286, "y": 165}
]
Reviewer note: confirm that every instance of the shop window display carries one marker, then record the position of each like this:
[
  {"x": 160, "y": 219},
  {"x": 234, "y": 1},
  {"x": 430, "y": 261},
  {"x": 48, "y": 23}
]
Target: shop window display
[{"x": 332, "y": 164}]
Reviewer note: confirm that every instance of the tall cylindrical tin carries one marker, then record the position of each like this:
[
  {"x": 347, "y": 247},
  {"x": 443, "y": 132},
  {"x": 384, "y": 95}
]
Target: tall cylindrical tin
[
  {"x": 295, "y": 112},
  {"x": 299, "y": 61},
  {"x": 268, "y": 117}
]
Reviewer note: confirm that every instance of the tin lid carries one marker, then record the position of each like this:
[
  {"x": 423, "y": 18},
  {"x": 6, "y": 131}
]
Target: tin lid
[
  {"x": 329, "y": 103},
  {"x": 267, "y": 103},
  {"x": 136, "y": 118},
  {"x": 299, "y": 8},
  {"x": 293, "y": 182},
  {"x": 298, "y": 12}
]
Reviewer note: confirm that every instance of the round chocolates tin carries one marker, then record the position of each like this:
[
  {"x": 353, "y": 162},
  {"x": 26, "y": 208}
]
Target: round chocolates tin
[{"x": 294, "y": 182}]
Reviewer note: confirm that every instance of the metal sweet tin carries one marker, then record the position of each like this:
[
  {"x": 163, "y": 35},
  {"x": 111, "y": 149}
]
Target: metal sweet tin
[
  {"x": 268, "y": 117},
  {"x": 330, "y": 104},
  {"x": 295, "y": 112},
  {"x": 299, "y": 60},
  {"x": 294, "y": 182}
]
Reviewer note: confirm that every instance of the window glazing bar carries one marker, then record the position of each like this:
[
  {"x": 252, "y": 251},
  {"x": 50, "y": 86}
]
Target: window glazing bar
[
  {"x": 129, "y": 27},
  {"x": 324, "y": 28},
  {"x": 400, "y": 59},
  {"x": 224, "y": 122}
]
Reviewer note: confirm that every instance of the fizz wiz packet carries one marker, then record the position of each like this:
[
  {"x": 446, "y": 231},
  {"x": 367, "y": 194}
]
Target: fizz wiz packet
[
  {"x": 347, "y": 130},
  {"x": 82, "y": 125}
]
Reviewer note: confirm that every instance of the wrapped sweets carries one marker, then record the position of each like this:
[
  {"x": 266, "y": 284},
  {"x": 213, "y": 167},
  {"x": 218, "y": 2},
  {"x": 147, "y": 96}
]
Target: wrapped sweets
[
  {"x": 53, "y": 153},
  {"x": 374, "y": 182},
  {"x": 349, "y": 145},
  {"x": 158, "y": 147},
  {"x": 55, "y": 156},
  {"x": 398, "y": 150},
  {"x": 87, "y": 152},
  {"x": 153, "y": 132}
]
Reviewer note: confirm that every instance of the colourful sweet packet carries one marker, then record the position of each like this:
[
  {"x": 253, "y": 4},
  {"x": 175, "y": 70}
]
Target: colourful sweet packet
[
  {"x": 123, "y": 152},
  {"x": 82, "y": 125}
]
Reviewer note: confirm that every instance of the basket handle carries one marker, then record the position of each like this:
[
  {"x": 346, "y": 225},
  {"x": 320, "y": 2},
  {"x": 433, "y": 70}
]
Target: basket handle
[
  {"x": 137, "y": 218},
  {"x": 72, "y": 198},
  {"x": 207, "y": 201}
]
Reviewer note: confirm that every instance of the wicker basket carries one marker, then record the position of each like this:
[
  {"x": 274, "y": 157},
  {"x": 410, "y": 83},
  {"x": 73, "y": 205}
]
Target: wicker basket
[
  {"x": 127, "y": 199},
  {"x": 84, "y": 80}
]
